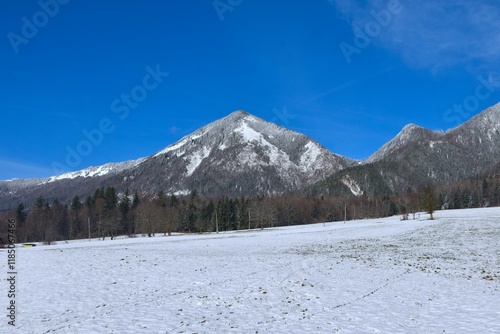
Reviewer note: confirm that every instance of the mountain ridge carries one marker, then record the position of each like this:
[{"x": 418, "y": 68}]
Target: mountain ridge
[
  {"x": 238, "y": 155},
  {"x": 244, "y": 155},
  {"x": 244, "y": 143},
  {"x": 470, "y": 150}
]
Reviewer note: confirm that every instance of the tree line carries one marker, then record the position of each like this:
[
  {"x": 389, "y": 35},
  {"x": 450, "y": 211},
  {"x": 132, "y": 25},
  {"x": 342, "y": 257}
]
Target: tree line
[{"x": 107, "y": 214}]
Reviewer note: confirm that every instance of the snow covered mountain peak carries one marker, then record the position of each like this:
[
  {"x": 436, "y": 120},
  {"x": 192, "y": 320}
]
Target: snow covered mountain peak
[
  {"x": 482, "y": 128},
  {"x": 238, "y": 114},
  {"x": 411, "y": 133},
  {"x": 244, "y": 155},
  {"x": 411, "y": 127},
  {"x": 238, "y": 155},
  {"x": 243, "y": 144}
]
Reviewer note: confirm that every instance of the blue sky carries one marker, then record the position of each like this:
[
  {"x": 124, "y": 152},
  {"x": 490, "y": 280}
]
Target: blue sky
[{"x": 119, "y": 80}]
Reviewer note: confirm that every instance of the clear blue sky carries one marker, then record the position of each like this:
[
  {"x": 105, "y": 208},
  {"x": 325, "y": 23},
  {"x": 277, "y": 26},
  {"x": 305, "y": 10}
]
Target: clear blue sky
[{"x": 296, "y": 63}]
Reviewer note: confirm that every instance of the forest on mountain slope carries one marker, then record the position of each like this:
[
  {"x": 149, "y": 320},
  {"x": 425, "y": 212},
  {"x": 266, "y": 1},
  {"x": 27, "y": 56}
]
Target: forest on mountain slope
[{"x": 107, "y": 214}]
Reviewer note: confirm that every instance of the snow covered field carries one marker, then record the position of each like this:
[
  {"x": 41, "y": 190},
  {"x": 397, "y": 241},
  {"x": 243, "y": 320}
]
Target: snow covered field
[{"x": 369, "y": 276}]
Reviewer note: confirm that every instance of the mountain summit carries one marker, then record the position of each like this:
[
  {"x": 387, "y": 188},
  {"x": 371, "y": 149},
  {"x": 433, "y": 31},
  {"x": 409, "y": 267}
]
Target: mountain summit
[
  {"x": 417, "y": 156},
  {"x": 410, "y": 134},
  {"x": 243, "y": 155},
  {"x": 238, "y": 155}
]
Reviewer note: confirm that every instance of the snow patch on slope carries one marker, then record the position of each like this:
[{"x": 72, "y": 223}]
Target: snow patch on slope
[
  {"x": 173, "y": 147},
  {"x": 179, "y": 144},
  {"x": 249, "y": 134},
  {"x": 310, "y": 156},
  {"x": 352, "y": 185},
  {"x": 276, "y": 156},
  {"x": 196, "y": 160},
  {"x": 95, "y": 171},
  {"x": 182, "y": 193}
]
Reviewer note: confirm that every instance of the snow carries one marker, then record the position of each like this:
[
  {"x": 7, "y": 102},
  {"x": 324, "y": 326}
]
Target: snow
[
  {"x": 249, "y": 134},
  {"x": 409, "y": 133},
  {"x": 183, "y": 192},
  {"x": 310, "y": 156},
  {"x": 99, "y": 171},
  {"x": 352, "y": 185},
  {"x": 95, "y": 171},
  {"x": 173, "y": 147},
  {"x": 196, "y": 159},
  {"x": 251, "y": 118},
  {"x": 276, "y": 156},
  {"x": 248, "y": 158},
  {"x": 381, "y": 275},
  {"x": 185, "y": 140}
]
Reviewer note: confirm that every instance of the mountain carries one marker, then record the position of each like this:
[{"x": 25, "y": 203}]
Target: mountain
[
  {"x": 417, "y": 156},
  {"x": 411, "y": 134},
  {"x": 239, "y": 155},
  {"x": 243, "y": 155}
]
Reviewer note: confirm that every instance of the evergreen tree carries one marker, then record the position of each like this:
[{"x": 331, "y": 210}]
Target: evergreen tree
[
  {"x": 124, "y": 208},
  {"x": 124, "y": 205},
  {"x": 136, "y": 200},
  {"x": 111, "y": 198},
  {"x": 232, "y": 223},
  {"x": 75, "y": 203},
  {"x": 21, "y": 215},
  {"x": 190, "y": 218},
  {"x": 89, "y": 202},
  {"x": 39, "y": 203},
  {"x": 243, "y": 214},
  {"x": 99, "y": 193},
  {"x": 21, "y": 218},
  {"x": 75, "y": 223},
  {"x": 466, "y": 198},
  {"x": 393, "y": 208}
]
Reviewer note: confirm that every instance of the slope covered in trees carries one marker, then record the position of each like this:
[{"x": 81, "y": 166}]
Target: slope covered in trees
[{"x": 107, "y": 213}]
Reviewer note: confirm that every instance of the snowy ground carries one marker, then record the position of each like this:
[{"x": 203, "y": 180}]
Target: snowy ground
[{"x": 368, "y": 276}]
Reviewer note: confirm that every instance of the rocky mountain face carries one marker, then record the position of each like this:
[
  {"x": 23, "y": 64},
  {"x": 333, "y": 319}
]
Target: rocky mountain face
[
  {"x": 239, "y": 155},
  {"x": 243, "y": 155},
  {"x": 411, "y": 134},
  {"x": 417, "y": 156}
]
